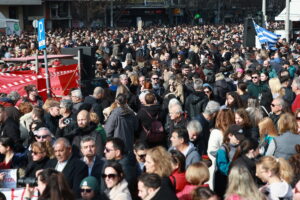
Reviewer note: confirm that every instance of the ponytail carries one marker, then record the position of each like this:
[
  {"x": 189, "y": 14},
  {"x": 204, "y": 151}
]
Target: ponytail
[
  {"x": 278, "y": 166},
  {"x": 285, "y": 170}
]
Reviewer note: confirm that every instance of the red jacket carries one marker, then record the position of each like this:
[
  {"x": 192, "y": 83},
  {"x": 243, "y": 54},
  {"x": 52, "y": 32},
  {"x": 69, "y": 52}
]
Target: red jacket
[
  {"x": 296, "y": 103},
  {"x": 178, "y": 180}
]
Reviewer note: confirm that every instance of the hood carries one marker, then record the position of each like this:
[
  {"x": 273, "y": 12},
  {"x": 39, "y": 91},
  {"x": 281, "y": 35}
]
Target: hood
[
  {"x": 153, "y": 109},
  {"x": 123, "y": 111},
  {"x": 221, "y": 83}
]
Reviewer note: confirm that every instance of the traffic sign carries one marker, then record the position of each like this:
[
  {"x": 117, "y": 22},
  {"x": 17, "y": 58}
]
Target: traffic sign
[{"x": 41, "y": 34}]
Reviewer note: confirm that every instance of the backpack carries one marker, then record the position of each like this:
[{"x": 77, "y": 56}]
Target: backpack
[{"x": 156, "y": 132}]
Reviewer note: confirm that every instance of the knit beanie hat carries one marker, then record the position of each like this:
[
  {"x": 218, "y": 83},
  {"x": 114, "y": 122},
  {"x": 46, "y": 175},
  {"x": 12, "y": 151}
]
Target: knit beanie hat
[{"x": 91, "y": 182}]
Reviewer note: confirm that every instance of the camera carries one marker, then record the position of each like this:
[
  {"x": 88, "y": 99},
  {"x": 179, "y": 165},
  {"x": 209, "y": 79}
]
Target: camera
[
  {"x": 67, "y": 121},
  {"x": 28, "y": 180}
]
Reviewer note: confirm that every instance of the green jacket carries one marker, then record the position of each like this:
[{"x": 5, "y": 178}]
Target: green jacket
[{"x": 254, "y": 90}]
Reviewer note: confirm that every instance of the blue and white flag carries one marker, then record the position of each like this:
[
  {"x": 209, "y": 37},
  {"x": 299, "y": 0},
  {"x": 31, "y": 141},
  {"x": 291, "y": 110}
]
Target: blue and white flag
[{"x": 266, "y": 37}]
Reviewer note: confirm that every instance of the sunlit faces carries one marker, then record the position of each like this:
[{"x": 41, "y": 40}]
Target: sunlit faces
[
  {"x": 238, "y": 119},
  {"x": 149, "y": 164}
]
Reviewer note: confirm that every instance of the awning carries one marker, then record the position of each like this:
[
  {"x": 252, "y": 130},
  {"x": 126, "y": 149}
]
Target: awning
[
  {"x": 20, "y": 2},
  {"x": 294, "y": 12}
]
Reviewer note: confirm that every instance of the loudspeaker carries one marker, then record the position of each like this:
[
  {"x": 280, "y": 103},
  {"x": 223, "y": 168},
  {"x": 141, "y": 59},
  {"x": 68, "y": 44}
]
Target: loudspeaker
[
  {"x": 249, "y": 33},
  {"x": 88, "y": 62}
]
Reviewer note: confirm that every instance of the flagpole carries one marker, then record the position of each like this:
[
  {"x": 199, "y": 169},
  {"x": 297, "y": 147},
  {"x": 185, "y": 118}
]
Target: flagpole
[
  {"x": 287, "y": 21},
  {"x": 264, "y": 13}
]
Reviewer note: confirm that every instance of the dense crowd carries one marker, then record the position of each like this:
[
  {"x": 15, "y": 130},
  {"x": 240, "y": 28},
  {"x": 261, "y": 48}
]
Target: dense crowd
[{"x": 185, "y": 113}]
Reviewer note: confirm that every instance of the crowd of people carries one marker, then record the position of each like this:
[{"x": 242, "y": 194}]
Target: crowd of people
[{"x": 185, "y": 113}]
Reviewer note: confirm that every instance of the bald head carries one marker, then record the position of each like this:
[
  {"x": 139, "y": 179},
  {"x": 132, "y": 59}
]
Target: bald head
[{"x": 83, "y": 118}]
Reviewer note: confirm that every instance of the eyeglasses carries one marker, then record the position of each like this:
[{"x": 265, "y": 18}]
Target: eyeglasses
[
  {"x": 206, "y": 91},
  {"x": 86, "y": 190},
  {"x": 155, "y": 78},
  {"x": 254, "y": 77},
  {"x": 42, "y": 136},
  {"x": 36, "y": 153},
  {"x": 142, "y": 156},
  {"x": 110, "y": 176}
]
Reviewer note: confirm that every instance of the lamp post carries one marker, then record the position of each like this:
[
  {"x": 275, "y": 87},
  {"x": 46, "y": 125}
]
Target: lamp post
[{"x": 287, "y": 20}]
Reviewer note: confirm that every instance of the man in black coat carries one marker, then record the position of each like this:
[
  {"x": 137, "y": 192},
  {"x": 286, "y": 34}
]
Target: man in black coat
[
  {"x": 73, "y": 168},
  {"x": 10, "y": 128},
  {"x": 150, "y": 187}
]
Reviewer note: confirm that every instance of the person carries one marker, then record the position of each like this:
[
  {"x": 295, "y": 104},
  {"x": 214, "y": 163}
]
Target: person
[
  {"x": 277, "y": 107},
  {"x": 209, "y": 114},
  {"x": 233, "y": 101},
  {"x": 255, "y": 88},
  {"x": 90, "y": 189},
  {"x": 297, "y": 115},
  {"x": 277, "y": 174},
  {"x": 41, "y": 152},
  {"x": 208, "y": 90},
  {"x": 89, "y": 156},
  {"x": 178, "y": 118},
  {"x": 245, "y": 155},
  {"x": 52, "y": 185},
  {"x": 10, "y": 159},
  {"x": 267, "y": 131},
  {"x": 85, "y": 128},
  {"x": 73, "y": 168},
  {"x": 196, "y": 175},
  {"x": 122, "y": 123},
  {"x": 284, "y": 144},
  {"x": 116, "y": 185},
  {"x": 242, "y": 119},
  {"x": 233, "y": 135},
  {"x": 68, "y": 119},
  {"x": 43, "y": 134},
  {"x": 196, "y": 102},
  {"x": 147, "y": 115},
  {"x": 10, "y": 128},
  {"x": 194, "y": 129},
  {"x": 224, "y": 119},
  {"x": 203, "y": 193},
  {"x": 32, "y": 96},
  {"x": 98, "y": 102},
  {"x": 158, "y": 161},
  {"x": 180, "y": 141},
  {"x": 241, "y": 185},
  {"x": 77, "y": 100},
  {"x": 276, "y": 88},
  {"x": 52, "y": 115},
  {"x": 140, "y": 151},
  {"x": 296, "y": 90},
  {"x": 178, "y": 166},
  {"x": 150, "y": 188},
  {"x": 294, "y": 161},
  {"x": 157, "y": 88}
]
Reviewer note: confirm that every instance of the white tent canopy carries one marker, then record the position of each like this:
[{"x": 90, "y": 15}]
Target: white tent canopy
[
  {"x": 12, "y": 26},
  {"x": 294, "y": 12}
]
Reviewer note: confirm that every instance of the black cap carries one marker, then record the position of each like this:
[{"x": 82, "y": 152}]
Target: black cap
[{"x": 237, "y": 131}]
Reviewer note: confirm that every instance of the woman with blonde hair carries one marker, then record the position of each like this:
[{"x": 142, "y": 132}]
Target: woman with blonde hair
[
  {"x": 267, "y": 131},
  {"x": 196, "y": 175},
  {"x": 224, "y": 118},
  {"x": 276, "y": 88},
  {"x": 241, "y": 185},
  {"x": 284, "y": 145},
  {"x": 278, "y": 174},
  {"x": 158, "y": 161}
]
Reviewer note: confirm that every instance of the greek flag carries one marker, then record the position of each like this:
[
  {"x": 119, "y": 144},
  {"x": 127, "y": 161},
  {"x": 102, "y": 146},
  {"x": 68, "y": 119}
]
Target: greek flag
[{"x": 266, "y": 37}]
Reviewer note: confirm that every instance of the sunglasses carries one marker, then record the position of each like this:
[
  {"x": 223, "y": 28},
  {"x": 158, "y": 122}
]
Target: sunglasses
[
  {"x": 36, "y": 153},
  {"x": 110, "y": 176},
  {"x": 41, "y": 136},
  {"x": 297, "y": 118},
  {"x": 273, "y": 105},
  {"x": 108, "y": 150},
  {"x": 254, "y": 77},
  {"x": 86, "y": 190},
  {"x": 142, "y": 156},
  {"x": 206, "y": 91},
  {"x": 155, "y": 78}
]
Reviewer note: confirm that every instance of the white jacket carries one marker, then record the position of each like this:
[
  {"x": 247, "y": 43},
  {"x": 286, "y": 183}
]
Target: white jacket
[{"x": 119, "y": 192}]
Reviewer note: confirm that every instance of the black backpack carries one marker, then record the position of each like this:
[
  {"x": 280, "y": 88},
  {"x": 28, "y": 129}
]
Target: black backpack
[{"x": 156, "y": 132}]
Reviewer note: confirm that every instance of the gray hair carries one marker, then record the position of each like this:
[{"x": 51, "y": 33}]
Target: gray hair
[
  {"x": 212, "y": 107},
  {"x": 43, "y": 129},
  {"x": 173, "y": 102},
  {"x": 67, "y": 104},
  {"x": 296, "y": 81},
  {"x": 98, "y": 90},
  {"x": 77, "y": 93},
  {"x": 194, "y": 125},
  {"x": 14, "y": 96},
  {"x": 255, "y": 115},
  {"x": 198, "y": 84},
  {"x": 63, "y": 140},
  {"x": 178, "y": 108},
  {"x": 87, "y": 139}
]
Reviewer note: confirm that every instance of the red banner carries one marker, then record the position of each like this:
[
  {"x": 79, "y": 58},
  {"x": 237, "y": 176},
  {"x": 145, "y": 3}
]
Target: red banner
[{"x": 62, "y": 79}]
